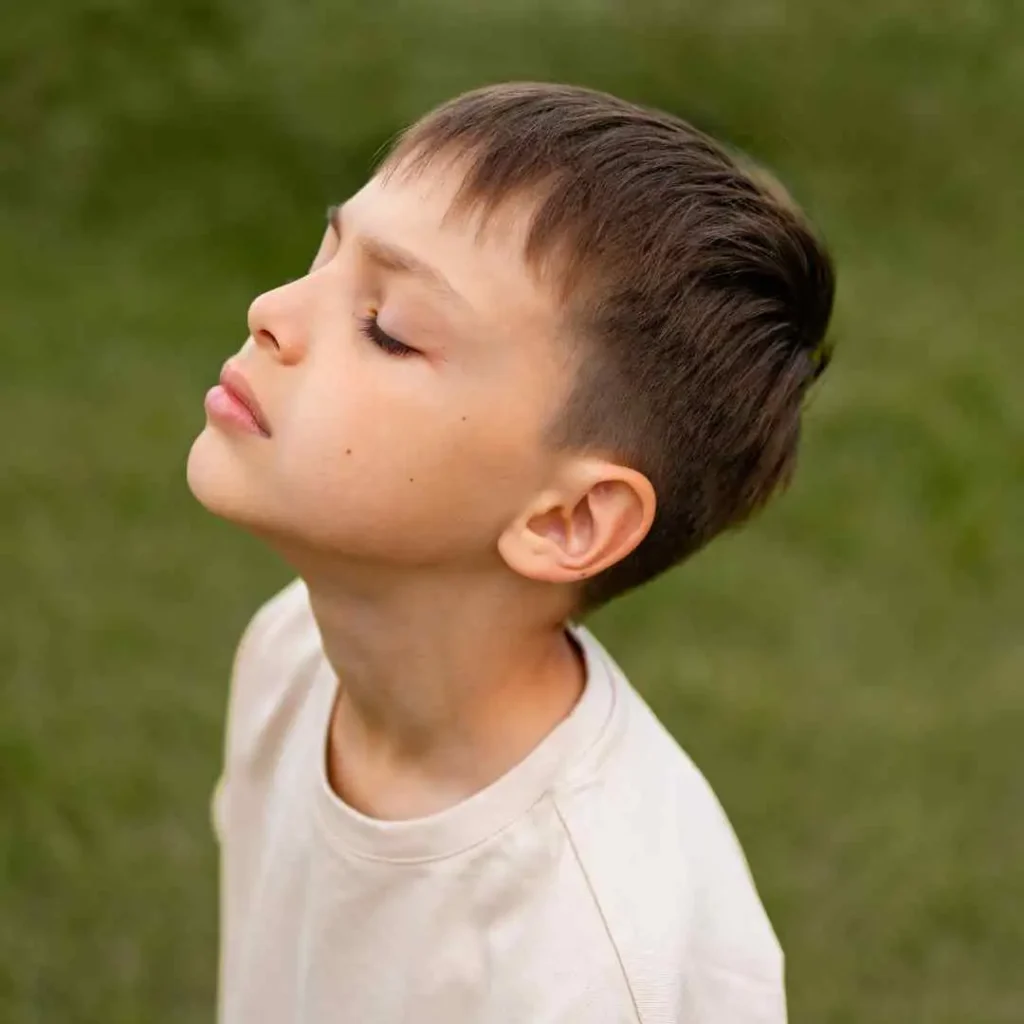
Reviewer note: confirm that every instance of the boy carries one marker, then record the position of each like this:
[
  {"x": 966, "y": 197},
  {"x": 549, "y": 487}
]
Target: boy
[{"x": 556, "y": 344}]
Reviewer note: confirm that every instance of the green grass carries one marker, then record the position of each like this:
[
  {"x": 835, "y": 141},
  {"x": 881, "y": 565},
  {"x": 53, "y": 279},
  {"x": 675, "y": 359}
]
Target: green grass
[{"x": 848, "y": 672}]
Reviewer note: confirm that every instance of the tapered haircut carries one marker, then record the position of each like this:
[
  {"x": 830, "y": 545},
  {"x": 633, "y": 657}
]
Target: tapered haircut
[{"x": 696, "y": 296}]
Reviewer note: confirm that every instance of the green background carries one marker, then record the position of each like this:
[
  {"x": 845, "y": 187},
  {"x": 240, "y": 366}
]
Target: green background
[{"x": 848, "y": 672}]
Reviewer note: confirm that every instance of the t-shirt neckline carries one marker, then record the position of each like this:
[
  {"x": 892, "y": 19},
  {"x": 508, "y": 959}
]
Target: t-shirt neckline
[{"x": 486, "y": 812}]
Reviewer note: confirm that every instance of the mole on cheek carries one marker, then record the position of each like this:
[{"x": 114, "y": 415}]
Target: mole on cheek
[{"x": 348, "y": 451}]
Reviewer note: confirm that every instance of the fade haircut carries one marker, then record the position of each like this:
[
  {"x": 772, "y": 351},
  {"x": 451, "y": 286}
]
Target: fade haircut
[{"x": 696, "y": 293}]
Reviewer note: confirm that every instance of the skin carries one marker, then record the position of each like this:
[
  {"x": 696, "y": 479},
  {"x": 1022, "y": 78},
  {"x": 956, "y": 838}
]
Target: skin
[{"x": 443, "y": 544}]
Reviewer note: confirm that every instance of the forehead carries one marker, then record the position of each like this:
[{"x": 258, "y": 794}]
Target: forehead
[{"x": 481, "y": 255}]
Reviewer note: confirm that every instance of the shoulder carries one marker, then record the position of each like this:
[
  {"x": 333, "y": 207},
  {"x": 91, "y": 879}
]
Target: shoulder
[
  {"x": 669, "y": 876},
  {"x": 277, "y": 654},
  {"x": 281, "y": 621}
]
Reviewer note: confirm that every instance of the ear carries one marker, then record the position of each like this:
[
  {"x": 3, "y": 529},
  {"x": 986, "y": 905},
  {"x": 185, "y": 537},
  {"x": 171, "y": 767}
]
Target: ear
[{"x": 594, "y": 518}]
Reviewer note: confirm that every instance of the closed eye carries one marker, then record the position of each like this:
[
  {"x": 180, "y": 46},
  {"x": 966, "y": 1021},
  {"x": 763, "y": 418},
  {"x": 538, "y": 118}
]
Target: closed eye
[{"x": 368, "y": 325}]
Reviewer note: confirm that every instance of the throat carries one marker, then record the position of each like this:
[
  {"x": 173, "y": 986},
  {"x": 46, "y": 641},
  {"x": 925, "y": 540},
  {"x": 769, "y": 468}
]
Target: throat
[{"x": 423, "y": 756}]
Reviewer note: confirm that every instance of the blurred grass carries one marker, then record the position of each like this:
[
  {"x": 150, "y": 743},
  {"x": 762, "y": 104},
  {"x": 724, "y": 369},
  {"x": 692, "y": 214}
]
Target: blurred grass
[{"x": 848, "y": 672}]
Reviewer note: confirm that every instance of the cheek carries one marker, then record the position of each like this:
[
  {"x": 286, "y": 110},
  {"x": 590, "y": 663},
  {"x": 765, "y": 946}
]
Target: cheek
[
  {"x": 394, "y": 481},
  {"x": 385, "y": 459}
]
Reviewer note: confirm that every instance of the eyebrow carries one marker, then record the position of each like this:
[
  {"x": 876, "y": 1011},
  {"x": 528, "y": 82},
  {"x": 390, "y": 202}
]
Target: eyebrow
[{"x": 396, "y": 259}]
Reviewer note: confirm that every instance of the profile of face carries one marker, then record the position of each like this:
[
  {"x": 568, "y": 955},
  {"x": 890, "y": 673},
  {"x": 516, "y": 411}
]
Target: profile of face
[{"x": 404, "y": 384}]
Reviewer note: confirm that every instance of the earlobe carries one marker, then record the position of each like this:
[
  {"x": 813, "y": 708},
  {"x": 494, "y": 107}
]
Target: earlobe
[{"x": 568, "y": 537}]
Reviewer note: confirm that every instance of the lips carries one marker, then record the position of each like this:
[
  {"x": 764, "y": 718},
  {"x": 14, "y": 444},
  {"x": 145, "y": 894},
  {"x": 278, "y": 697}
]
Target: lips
[{"x": 233, "y": 381}]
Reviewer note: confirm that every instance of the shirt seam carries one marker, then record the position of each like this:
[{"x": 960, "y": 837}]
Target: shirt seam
[
  {"x": 597, "y": 906},
  {"x": 341, "y": 845}
]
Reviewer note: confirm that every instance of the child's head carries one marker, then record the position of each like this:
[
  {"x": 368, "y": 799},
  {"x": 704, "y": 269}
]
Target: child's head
[{"x": 557, "y": 338}]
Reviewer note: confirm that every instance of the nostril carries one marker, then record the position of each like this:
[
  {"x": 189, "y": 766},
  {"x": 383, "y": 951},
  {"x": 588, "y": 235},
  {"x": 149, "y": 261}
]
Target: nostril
[{"x": 264, "y": 337}]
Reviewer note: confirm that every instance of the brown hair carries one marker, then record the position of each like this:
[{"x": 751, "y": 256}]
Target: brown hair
[{"x": 699, "y": 292}]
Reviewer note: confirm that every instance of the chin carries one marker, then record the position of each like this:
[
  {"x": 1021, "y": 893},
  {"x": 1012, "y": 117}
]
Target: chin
[{"x": 219, "y": 480}]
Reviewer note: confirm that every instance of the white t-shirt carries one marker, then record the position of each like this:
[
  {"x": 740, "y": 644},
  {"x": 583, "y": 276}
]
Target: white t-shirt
[{"x": 596, "y": 882}]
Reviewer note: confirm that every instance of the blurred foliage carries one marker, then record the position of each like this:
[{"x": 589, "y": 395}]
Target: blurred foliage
[{"x": 848, "y": 672}]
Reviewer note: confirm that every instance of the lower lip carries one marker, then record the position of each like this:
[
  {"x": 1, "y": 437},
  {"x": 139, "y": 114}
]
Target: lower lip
[{"x": 223, "y": 407}]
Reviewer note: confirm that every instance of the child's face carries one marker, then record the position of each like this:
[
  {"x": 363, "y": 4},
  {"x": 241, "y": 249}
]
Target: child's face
[{"x": 412, "y": 459}]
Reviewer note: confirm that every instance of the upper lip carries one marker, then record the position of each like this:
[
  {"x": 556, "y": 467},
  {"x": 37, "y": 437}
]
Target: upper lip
[{"x": 233, "y": 381}]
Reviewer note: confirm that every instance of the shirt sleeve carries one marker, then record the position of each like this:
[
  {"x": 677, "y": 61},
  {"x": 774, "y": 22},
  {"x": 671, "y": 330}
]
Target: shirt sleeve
[{"x": 716, "y": 995}]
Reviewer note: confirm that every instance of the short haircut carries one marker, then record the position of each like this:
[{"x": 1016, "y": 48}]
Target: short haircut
[{"x": 697, "y": 296}]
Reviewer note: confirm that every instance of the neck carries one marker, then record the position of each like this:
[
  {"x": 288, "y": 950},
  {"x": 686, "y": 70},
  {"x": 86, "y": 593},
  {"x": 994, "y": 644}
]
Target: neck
[{"x": 445, "y": 684}]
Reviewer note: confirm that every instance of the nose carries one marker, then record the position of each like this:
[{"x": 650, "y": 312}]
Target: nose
[{"x": 277, "y": 323}]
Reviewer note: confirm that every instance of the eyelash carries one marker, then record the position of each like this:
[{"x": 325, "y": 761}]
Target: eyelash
[{"x": 369, "y": 326}]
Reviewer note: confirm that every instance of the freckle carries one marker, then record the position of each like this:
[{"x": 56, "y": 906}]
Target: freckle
[
  {"x": 463, "y": 419},
  {"x": 410, "y": 479},
  {"x": 348, "y": 451}
]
